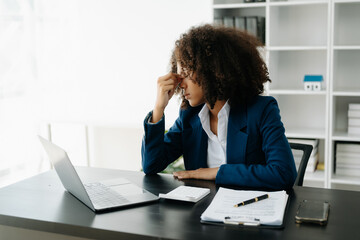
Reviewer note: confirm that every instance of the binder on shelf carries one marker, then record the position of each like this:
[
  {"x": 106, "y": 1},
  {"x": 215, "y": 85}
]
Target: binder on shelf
[
  {"x": 261, "y": 29},
  {"x": 252, "y": 26},
  {"x": 218, "y": 21},
  {"x": 265, "y": 213},
  {"x": 228, "y": 21},
  {"x": 240, "y": 23},
  {"x": 255, "y": 25}
]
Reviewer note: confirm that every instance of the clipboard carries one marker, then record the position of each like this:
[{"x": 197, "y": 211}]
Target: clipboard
[
  {"x": 220, "y": 204},
  {"x": 222, "y": 224}
]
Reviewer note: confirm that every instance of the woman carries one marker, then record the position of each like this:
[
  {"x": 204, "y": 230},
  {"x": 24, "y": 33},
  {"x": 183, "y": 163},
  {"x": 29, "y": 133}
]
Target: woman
[{"x": 225, "y": 131}]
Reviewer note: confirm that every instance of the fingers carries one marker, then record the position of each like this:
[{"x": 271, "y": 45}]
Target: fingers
[
  {"x": 169, "y": 82},
  {"x": 183, "y": 174},
  {"x": 201, "y": 173}
]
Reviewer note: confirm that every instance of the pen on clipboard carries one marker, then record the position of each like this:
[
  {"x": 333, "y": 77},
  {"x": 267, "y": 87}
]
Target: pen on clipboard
[{"x": 256, "y": 199}]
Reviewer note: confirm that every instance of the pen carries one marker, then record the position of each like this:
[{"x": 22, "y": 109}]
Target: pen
[{"x": 262, "y": 197}]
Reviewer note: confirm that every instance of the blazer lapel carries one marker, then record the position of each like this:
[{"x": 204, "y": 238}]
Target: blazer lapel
[
  {"x": 237, "y": 136},
  {"x": 201, "y": 136}
]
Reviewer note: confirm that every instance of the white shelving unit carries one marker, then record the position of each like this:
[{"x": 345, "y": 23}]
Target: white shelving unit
[{"x": 318, "y": 37}]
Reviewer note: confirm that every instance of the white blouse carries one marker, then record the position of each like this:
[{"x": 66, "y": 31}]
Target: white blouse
[{"x": 216, "y": 152}]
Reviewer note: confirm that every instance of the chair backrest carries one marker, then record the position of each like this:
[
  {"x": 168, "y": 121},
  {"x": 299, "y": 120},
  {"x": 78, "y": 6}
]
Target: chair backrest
[{"x": 307, "y": 149}]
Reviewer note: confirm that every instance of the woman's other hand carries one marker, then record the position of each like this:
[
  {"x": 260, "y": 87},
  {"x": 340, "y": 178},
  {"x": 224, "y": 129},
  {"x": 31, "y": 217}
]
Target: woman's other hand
[{"x": 201, "y": 173}]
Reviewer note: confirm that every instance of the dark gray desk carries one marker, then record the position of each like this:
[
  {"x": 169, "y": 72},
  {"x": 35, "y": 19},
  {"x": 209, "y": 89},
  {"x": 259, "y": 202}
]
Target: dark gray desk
[{"x": 41, "y": 203}]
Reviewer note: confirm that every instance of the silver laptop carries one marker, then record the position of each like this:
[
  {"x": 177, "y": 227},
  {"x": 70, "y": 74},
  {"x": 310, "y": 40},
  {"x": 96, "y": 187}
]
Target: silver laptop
[{"x": 98, "y": 196}]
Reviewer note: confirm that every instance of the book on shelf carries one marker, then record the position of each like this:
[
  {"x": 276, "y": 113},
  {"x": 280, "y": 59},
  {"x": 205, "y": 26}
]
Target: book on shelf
[
  {"x": 347, "y": 155},
  {"x": 348, "y": 161},
  {"x": 354, "y": 113},
  {"x": 354, "y": 122},
  {"x": 354, "y": 106},
  {"x": 352, "y": 130},
  {"x": 348, "y": 148},
  {"x": 349, "y": 166},
  {"x": 351, "y": 172}
]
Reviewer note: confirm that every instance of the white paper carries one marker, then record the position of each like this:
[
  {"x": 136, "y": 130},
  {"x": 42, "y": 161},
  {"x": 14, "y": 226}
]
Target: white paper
[
  {"x": 186, "y": 193},
  {"x": 269, "y": 211}
]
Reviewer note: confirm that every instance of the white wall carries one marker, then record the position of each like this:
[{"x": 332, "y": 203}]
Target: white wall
[
  {"x": 100, "y": 65},
  {"x": 83, "y": 62}
]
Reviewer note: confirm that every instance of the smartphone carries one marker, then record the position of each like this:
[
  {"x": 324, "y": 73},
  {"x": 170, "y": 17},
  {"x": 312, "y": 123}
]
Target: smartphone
[{"x": 313, "y": 212}]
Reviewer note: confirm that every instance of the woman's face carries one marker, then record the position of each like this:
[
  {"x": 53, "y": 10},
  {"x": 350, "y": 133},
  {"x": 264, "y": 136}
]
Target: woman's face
[{"x": 191, "y": 90}]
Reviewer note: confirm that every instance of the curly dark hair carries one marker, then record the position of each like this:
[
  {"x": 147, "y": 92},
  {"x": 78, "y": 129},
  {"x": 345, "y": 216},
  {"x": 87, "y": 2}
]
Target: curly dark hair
[{"x": 226, "y": 62}]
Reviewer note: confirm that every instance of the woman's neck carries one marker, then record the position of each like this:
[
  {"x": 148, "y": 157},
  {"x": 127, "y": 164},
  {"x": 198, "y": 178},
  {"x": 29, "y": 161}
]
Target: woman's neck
[{"x": 217, "y": 107}]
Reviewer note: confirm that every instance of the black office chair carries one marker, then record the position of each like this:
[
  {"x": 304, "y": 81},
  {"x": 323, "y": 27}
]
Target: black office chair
[{"x": 307, "y": 149}]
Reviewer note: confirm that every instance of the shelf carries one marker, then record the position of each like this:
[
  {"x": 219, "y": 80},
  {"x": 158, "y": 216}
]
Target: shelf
[
  {"x": 238, "y": 5},
  {"x": 346, "y": 1},
  {"x": 310, "y": 19},
  {"x": 305, "y": 133},
  {"x": 325, "y": 41},
  {"x": 346, "y": 19},
  {"x": 344, "y": 136},
  {"x": 295, "y": 92},
  {"x": 296, "y": 48},
  {"x": 295, "y": 3},
  {"x": 353, "y": 47},
  {"x": 346, "y": 93}
]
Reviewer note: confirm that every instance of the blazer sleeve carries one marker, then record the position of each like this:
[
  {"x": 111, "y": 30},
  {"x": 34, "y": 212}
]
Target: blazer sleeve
[
  {"x": 159, "y": 150},
  {"x": 279, "y": 171}
]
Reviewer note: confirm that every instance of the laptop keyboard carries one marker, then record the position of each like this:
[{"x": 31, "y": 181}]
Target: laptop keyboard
[{"x": 104, "y": 197}]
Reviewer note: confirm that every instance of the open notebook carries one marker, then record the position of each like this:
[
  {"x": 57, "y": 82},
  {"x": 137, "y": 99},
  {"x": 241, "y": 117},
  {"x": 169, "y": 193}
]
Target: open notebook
[{"x": 268, "y": 212}]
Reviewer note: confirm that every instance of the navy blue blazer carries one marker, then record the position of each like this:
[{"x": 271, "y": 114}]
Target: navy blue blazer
[{"x": 258, "y": 154}]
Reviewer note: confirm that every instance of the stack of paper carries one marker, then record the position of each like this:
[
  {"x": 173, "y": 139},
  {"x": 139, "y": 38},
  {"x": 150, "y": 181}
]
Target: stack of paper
[
  {"x": 354, "y": 119},
  {"x": 186, "y": 193},
  {"x": 314, "y": 157},
  {"x": 269, "y": 211},
  {"x": 348, "y": 159}
]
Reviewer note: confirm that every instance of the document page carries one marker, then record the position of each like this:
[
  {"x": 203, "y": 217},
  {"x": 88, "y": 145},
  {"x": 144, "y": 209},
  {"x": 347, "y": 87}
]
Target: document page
[
  {"x": 269, "y": 211},
  {"x": 186, "y": 193}
]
